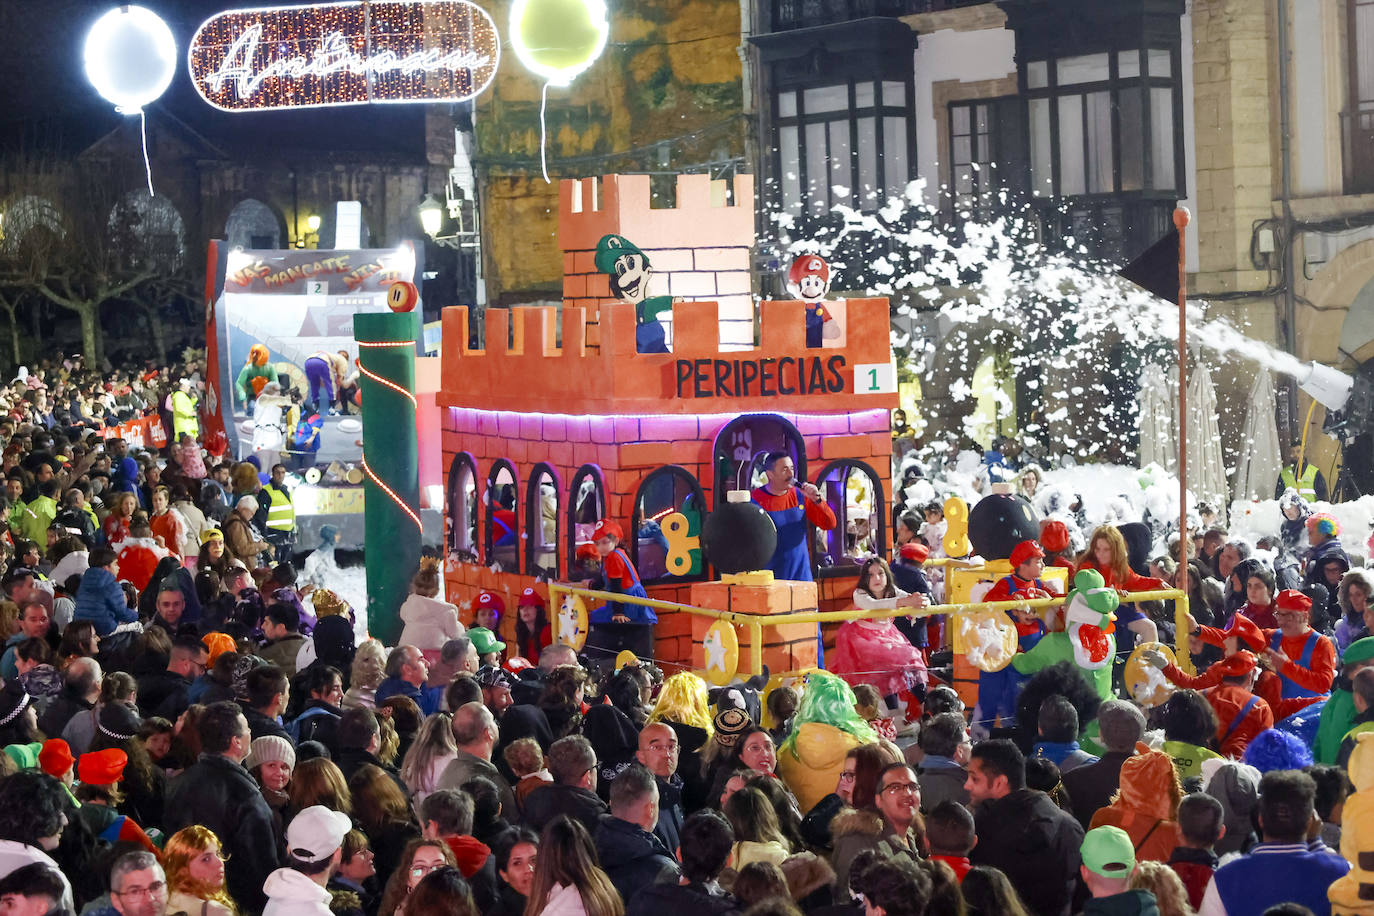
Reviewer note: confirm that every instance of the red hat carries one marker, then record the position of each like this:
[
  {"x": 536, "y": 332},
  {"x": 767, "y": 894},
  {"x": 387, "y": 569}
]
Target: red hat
[
  {"x": 517, "y": 663},
  {"x": 55, "y": 758},
  {"x": 530, "y": 596},
  {"x": 914, "y": 551},
  {"x": 808, "y": 265},
  {"x": 1024, "y": 551},
  {"x": 608, "y": 528},
  {"x": 1245, "y": 630},
  {"x": 1290, "y": 599},
  {"x": 1054, "y": 535},
  {"x": 102, "y": 768},
  {"x": 1243, "y": 662},
  {"x": 587, "y": 552},
  {"x": 492, "y": 602}
]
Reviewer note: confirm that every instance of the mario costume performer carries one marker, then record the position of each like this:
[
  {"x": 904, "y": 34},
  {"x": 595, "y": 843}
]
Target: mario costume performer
[
  {"x": 791, "y": 506},
  {"x": 620, "y": 577},
  {"x": 629, "y": 271},
  {"x": 809, "y": 280},
  {"x": 997, "y": 690},
  {"x": 254, "y": 375},
  {"x": 1304, "y": 659},
  {"x": 325, "y": 370}
]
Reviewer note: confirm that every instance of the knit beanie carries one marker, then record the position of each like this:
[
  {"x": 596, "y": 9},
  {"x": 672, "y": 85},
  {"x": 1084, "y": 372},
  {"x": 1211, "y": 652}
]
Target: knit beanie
[{"x": 269, "y": 748}]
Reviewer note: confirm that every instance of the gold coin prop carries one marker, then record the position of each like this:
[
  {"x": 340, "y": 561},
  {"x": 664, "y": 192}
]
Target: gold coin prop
[
  {"x": 572, "y": 622},
  {"x": 720, "y": 646},
  {"x": 986, "y": 637},
  {"x": 1145, "y": 683}
]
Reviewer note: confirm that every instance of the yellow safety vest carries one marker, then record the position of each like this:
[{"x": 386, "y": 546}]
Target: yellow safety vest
[
  {"x": 1305, "y": 485},
  {"x": 281, "y": 514}
]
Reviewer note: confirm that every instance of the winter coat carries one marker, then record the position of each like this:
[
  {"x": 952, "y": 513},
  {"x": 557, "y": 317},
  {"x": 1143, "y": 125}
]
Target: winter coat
[
  {"x": 180, "y": 902},
  {"x": 812, "y": 763},
  {"x": 697, "y": 785},
  {"x": 1126, "y": 903},
  {"x": 427, "y": 698},
  {"x": 282, "y": 652},
  {"x": 1035, "y": 843},
  {"x": 580, "y": 804},
  {"x": 747, "y": 852},
  {"x": 941, "y": 779},
  {"x": 63, "y": 708},
  {"x": 465, "y": 766},
  {"x": 291, "y": 893},
  {"x": 669, "y": 826},
  {"x": 219, "y": 793},
  {"x": 429, "y": 623},
  {"x": 163, "y": 693},
  {"x": 1329, "y": 549},
  {"x": 563, "y": 900},
  {"x": 1194, "y": 868},
  {"x": 851, "y": 832},
  {"x": 1092, "y": 785},
  {"x": 242, "y": 541},
  {"x": 138, "y": 558},
  {"x": 1143, "y": 807},
  {"x": 682, "y": 900},
  {"x": 632, "y": 857},
  {"x": 101, "y": 601}
]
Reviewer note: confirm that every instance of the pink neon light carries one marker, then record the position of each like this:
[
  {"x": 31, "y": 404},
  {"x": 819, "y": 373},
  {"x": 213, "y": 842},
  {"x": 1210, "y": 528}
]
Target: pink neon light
[{"x": 791, "y": 417}]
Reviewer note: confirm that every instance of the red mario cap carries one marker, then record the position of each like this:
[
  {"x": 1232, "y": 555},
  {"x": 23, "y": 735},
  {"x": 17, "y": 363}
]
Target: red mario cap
[
  {"x": 1290, "y": 599},
  {"x": 491, "y": 601},
  {"x": 808, "y": 265},
  {"x": 1024, "y": 551},
  {"x": 102, "y": 768},
  {"x": 1243, "y": 662},
  {"x": 917, "y": 553},
  {"x": 532, "y": 597},
  {"x": 1245, "y": 630},
  {"x": 1054, "y": 535},
  {"x": 607, "y": 528}
]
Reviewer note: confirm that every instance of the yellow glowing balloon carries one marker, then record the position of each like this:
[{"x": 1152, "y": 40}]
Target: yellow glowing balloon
[{"x": 558, "y": 39}]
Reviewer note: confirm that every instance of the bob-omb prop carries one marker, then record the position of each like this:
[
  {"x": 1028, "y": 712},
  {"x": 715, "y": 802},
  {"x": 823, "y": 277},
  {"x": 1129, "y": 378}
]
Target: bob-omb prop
[
  {"x": 558, "y": 40},
  {"x": 808, "y": 279},
  {"x": 739, "y": 539},
  {"x": 130, "y": 56},
  {"x": 1000, "y": 521}
]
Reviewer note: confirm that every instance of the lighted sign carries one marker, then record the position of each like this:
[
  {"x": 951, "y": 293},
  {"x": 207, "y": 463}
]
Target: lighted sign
[{"x": 350, "y": 53}]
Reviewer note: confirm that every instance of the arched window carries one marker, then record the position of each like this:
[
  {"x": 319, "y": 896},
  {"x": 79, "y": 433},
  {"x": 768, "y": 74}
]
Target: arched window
[
  {"x": 586, "y": 507},
  {"x": 148, "y": 230},
  {"x": 742, "y": 445},
  {"x": 462, "y": 506},
  {"x": 503, "y": 528},
  {"x": 253, "y": 224},
  {"x": 541, "y": 522},
  {"x": 667, "y": 490},
  {"x": 25, "y": 214},
  {"x": 854, "y": 492}
]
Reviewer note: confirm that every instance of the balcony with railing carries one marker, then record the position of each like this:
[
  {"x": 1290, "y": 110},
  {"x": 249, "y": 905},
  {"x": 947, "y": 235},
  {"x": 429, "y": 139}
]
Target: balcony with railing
[{"x": 801, "y": 14}]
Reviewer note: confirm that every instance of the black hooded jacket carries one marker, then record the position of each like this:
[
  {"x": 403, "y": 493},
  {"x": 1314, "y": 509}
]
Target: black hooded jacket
[
  {"x": 633, "y": 858},
  {"x": 1034, "y": 843}
]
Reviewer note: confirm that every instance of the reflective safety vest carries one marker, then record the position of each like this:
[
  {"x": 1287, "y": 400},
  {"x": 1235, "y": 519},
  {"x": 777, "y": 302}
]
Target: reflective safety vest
[
  {"x": 1305, "y": 485},
  {"x": 281, "y": 514}
]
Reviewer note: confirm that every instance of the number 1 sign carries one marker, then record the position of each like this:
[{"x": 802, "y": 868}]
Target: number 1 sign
[{"x": 875, "y": 378}]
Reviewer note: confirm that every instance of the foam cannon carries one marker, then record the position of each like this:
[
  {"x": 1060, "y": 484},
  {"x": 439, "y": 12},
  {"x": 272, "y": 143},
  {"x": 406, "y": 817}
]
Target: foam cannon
[{"x": 1349, "y": 400}]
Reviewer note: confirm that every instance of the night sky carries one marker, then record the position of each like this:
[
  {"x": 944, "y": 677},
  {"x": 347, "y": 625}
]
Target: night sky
[{"x": 51, "y": 107}]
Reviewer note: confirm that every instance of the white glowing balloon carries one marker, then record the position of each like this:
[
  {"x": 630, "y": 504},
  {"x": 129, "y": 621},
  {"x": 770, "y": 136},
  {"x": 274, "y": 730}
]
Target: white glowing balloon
[{"x": 130, "y": 57}]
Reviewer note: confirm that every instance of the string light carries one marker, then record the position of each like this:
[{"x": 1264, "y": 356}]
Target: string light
[
  {"x": 349, "y": 53},
  {"x": 388, "y": 383},
  {"x": 395, "y": 497},
  {"x": 414, "y": 403}
]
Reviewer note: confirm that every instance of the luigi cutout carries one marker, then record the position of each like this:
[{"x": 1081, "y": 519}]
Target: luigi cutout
[
  {"x": 1087, "y": 640},
  {"x": 628, "y": 267}
]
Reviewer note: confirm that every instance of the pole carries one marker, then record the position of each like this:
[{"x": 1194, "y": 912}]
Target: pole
[
  {"x": 1290, "y": 300},
  {"x": 386, "y": 351},
  {"x": 1181, "y": 219}
]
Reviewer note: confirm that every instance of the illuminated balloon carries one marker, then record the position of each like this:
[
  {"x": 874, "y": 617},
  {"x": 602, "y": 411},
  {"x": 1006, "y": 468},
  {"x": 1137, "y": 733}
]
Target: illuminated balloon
[
  {"x": 130, "y": 57},
  {"x": 558, "y": 39}
]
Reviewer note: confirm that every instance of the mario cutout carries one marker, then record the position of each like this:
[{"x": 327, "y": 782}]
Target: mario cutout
[
  {"x": 809, "y": 280},
  {"x": 629, "y": 271}
]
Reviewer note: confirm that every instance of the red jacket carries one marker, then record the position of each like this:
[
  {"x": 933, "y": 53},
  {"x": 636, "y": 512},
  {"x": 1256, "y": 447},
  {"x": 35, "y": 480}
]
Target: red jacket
[
  {"x": 1228, "y": 700},
  {"x": 470, "y": 853},
  {"x": 1134, "y": 581}
]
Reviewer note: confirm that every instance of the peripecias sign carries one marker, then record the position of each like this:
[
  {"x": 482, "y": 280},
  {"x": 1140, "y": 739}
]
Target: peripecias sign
[{"x": 348, "y": 53}]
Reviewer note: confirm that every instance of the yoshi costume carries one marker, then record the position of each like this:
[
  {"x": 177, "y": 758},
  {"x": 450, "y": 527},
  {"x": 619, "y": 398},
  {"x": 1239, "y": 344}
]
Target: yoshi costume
[
  {"x": 1338, "y": 716},
  {"x": 1087, "y": 641},
  {"x": 254, "y": 375},
  {"x": 628, "y": 267}
]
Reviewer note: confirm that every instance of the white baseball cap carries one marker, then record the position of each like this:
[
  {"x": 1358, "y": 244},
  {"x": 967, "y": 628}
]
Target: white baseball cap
[{"x": 316, "y": 833}]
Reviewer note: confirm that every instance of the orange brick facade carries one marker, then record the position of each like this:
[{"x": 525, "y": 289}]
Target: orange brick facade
[{"x": 587, "y": 400}]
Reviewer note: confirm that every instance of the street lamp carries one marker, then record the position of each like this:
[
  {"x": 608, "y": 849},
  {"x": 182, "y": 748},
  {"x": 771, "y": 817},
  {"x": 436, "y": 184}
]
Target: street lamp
[
  {"x": 431, "y": 215},
  {"x": 312, "y": 222}
]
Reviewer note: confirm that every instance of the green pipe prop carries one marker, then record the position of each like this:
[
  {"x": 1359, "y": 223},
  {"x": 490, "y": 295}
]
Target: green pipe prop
[{"x": 386, "y": 351}]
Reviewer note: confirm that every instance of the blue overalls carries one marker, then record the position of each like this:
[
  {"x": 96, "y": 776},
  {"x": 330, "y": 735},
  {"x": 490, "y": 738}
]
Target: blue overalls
[
  {"x": 638, "y": 613},
  {"x": 649, "y": 336},
  {"x": 815, "y": 325},
  {"x": 1291, "y": 689},
  {"x": 791, "y": 559},
  {"x": 998, "y": 690}
]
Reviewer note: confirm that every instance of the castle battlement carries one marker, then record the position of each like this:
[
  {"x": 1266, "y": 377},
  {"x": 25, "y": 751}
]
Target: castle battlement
[{"x": 525, "y": 369}]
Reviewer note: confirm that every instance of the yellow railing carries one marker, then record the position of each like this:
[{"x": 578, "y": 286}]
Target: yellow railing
[{"x": 755, "y": 623}]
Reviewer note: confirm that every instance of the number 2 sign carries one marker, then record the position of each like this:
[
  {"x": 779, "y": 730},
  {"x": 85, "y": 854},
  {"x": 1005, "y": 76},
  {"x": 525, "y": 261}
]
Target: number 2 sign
[{"x": 875, "y": 378}]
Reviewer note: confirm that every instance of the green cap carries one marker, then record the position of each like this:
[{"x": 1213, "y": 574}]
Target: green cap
[
  {"x": 1361, "y": 650},
  {"x": 1109, "y": 852},
  {"x": 25, "y": 756},
  {"x": 612, "y": 248},
  {"x": 485, "y": 640}
]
